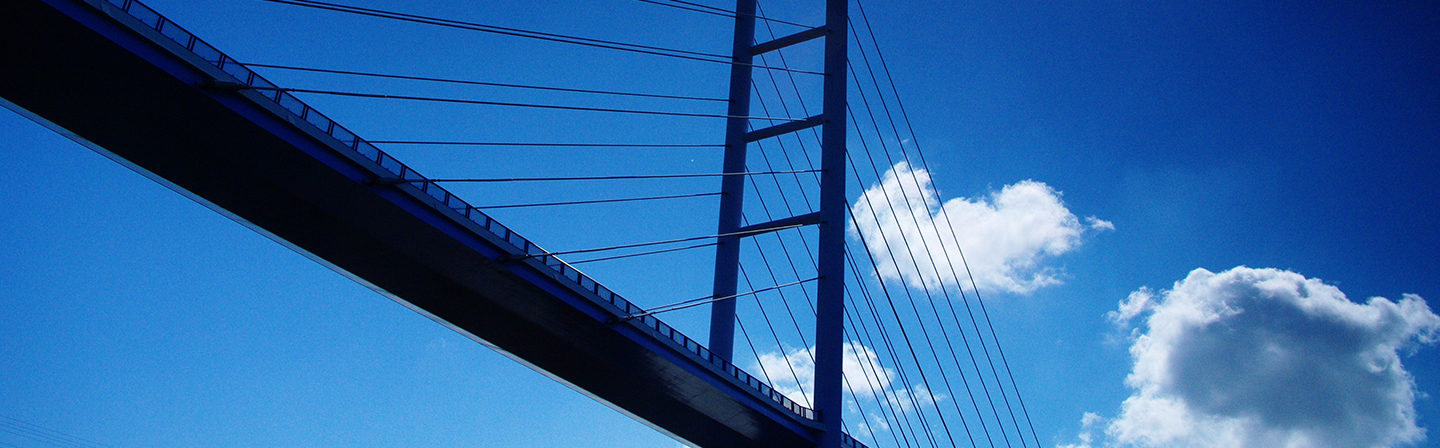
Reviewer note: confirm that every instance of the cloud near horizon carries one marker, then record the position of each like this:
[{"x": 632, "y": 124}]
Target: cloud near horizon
[
  {"x": 1267, "y": 358},
  {"x": 793, "y": 373},
  {"x": 1004, "y": 237}
]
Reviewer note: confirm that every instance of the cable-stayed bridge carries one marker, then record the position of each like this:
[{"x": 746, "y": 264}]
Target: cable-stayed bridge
[{"x": 126, "y": 81}]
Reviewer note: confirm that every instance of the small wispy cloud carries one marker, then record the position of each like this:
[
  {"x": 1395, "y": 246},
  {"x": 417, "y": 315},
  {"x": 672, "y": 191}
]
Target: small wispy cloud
[
  {"x": 793, "y": 372},
  {"x": 1088, "y": 424},
  {"x": 914, "y": 398}
]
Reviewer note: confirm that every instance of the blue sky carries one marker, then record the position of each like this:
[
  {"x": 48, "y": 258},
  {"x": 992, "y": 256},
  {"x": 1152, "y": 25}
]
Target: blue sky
[{"x": 1303, "y": 138}]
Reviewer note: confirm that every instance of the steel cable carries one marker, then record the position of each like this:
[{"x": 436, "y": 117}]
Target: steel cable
[
  {"x": 914, "y": 139},
  {"x": 515, "y": 32},
  {"x": 481, "y": 83}
]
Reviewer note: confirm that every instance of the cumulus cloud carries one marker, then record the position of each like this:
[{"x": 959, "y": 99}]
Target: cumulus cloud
[
  {"x": 1268, "y": 358},
  {"x": 1005, "y": 236}
]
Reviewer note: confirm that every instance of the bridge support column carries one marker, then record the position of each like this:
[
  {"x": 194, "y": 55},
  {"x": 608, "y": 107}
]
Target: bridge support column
[
  {"x": 830, "y": 289},
  {"x": 732, "y": 188}
]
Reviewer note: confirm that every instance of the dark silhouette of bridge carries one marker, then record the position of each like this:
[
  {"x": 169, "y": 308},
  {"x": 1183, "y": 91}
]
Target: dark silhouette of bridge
[{"x": 126, "y": 82}]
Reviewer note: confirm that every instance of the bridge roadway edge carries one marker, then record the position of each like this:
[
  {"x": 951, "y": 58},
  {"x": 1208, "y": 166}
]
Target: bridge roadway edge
[{"x": 79, "y": 73}]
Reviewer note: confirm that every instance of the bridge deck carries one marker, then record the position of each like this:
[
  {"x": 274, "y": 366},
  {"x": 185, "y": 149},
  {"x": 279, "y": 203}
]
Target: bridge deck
[{"x": 122, "y": 80}]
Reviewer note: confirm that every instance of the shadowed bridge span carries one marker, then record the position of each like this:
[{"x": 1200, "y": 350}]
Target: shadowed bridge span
[{"x": 124, "y": 81}]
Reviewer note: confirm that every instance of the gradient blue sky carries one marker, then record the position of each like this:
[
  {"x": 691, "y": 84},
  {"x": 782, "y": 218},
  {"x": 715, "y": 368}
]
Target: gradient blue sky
[{"x": 1303, "y": 137}]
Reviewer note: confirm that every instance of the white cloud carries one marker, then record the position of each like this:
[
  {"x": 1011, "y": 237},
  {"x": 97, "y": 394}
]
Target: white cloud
[
  {"x": 1088, "y": 423},
  {"x": 793, "y": 373},
  {"x": 879, "y": 423},
  {"x": 1099, "y": 224},
  {"x": 1005, "y": 236},
  {"x": 1138, "y": 302},
  {"x": 1268, "y": 358},
  {"x": 865, "y": 380},
  {"x": 907, "y": 400}
]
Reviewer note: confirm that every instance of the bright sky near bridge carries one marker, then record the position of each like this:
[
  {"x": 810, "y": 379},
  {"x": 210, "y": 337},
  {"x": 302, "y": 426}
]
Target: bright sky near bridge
[{"x": 1122, "y": 162}]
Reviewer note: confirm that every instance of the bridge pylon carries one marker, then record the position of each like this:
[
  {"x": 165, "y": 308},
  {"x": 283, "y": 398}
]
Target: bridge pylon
[{"x": 830, "y": 219}]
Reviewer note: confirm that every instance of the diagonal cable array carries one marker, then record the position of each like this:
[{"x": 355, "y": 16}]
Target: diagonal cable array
[
  {"x": 529, "y": 34},
  {"x": 790, "y": 260},
  {"x": 481, "y": 83},
  {"x": 504, "y": 103},
  {"x": 986, "y": 355},
  {"x": 596, "y": 201},
  {"x": 911, "y": 376},
  {"x": 541, "y": 144},
  {"x": 41, "y": 434},
  {"x": 871, "y": 375},
  {"x": 705, "y": 300},
  {"x": 921, "y": 343},
  {"x": 651, "y": 243},
  {"x": 580, "y": 178},
  {"x": 717, "y": 11}
]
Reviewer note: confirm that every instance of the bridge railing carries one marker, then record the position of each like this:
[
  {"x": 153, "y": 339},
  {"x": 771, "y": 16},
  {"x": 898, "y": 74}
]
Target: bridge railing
[{"x": 445, "y": 201}]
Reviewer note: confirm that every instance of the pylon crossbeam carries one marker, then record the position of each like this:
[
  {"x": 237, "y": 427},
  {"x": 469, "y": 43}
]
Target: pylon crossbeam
[
  {"x": 793, "y": 39},
  {"x": 784, "y": 128}
]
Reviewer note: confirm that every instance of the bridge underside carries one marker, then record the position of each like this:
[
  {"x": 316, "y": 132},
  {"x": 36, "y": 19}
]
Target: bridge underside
[{"x": 116, "y": 89}]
